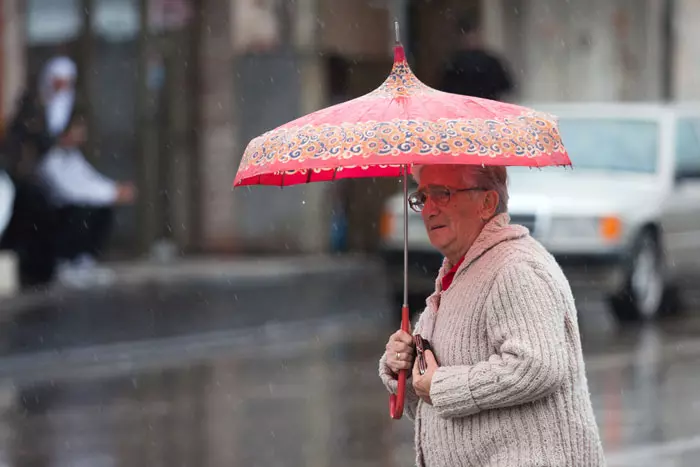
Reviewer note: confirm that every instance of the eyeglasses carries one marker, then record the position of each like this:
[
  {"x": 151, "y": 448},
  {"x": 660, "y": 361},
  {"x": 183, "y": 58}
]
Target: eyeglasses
[{"x": 440, "y": 195}]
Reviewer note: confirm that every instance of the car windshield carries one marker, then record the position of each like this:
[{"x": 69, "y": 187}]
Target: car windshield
[{"x": 610, "y": 144}]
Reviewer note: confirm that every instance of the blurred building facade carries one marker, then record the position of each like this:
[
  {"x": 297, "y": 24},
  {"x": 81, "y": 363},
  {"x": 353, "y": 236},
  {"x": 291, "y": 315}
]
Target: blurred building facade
[
  {"x": 176, "y": 88},
  {"x": 585, "y": 50}
]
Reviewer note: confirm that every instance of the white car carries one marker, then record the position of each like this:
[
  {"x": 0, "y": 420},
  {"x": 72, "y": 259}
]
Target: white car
[{"x": 625, "y": 220}]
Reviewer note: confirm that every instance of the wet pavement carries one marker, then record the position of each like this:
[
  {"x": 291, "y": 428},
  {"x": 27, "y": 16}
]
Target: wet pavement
[{"x": 284, "y": 374}]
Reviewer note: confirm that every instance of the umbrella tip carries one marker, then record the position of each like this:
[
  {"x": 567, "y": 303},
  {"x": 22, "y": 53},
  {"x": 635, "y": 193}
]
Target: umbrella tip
[{"x": 396, "y": 31}]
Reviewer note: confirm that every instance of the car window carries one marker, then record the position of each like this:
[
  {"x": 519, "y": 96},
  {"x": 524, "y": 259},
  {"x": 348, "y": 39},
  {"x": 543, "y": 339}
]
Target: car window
[
  {"x": 610, "y": 144},
  {"x": 688, "y": 147}
]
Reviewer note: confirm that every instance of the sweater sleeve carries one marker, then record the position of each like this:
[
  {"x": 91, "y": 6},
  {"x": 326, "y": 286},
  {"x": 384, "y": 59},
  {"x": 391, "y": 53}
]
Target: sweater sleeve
[
  {"x": 71, "y": 179},
  {"x": 526, "y": 322}
]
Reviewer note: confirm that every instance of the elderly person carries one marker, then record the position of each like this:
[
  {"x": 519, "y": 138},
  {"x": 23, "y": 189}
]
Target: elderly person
[{"x": 506, "y": 384}]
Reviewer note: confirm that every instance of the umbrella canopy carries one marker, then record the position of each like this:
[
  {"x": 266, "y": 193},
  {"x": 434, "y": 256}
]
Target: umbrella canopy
[{"x": 402, "y": 122}]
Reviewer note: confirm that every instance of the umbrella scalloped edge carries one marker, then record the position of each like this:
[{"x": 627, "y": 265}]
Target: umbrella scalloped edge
[
  {"x": 284, "y": 150},
  {"x": 301, "y": 176}
]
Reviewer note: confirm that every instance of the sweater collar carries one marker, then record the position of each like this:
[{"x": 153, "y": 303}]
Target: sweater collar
[{"x": 497, "y": 230}]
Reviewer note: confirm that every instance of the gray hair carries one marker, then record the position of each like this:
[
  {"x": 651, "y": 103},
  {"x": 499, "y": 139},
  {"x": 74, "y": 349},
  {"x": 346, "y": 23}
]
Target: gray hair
[{"x": 491, "y": 177}]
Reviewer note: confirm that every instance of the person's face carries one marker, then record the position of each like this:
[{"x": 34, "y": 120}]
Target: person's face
[
  {"x": 61, "y": 84},
  {"x": 455, "y": 209}
]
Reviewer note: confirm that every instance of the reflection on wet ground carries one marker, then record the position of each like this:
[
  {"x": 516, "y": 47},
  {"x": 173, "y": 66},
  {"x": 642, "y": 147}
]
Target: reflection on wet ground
[
  {"x": 308, "y": 395},
  {"x": 316, "y": 405}
]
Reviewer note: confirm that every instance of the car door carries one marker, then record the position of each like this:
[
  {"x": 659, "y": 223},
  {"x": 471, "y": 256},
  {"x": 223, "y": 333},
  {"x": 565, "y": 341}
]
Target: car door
[{"x": 681, "y": 218}]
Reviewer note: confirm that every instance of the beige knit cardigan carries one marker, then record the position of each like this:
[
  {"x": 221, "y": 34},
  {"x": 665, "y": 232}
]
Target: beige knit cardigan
[{"x": 511, "y": 389}]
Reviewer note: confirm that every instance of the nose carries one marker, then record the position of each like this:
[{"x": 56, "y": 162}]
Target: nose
[{"x": 430, "y": 209}]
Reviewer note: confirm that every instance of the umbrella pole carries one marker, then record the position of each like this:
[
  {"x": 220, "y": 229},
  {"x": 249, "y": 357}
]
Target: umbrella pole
[
  {"x": 396, "y": 400},
  {"x": 405, "y": 243}
]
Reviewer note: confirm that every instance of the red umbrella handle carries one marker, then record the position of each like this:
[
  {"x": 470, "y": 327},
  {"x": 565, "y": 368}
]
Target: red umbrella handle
[{"x": 396, "y": 400}]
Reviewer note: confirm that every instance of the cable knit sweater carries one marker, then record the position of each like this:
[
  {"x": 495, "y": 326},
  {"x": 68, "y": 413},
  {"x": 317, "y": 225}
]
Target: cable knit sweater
[{"x": 511, "y": 389}]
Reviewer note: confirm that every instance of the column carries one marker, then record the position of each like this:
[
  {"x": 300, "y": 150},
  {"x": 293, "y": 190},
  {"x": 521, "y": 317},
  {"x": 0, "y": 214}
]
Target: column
[
  {"x": 218, "y": 149},
  {"x": 493, "y": 24},
  {"x": 313, "y": 237},
  {"x": 686, "y": 58},
  {"x": 12, "y": 71}
]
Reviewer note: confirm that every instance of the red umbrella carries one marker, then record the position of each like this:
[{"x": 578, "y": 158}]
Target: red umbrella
[{"x": 400, "y": 124}]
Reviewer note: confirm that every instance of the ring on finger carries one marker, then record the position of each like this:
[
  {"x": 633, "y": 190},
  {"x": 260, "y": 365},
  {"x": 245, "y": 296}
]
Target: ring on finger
[{"x": 398, "y": 355}]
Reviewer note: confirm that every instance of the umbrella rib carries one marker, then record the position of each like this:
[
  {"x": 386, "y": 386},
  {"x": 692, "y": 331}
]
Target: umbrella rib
[{"x": 490, "y": 111}]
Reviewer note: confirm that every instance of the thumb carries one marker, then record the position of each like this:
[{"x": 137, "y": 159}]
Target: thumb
[{"x": 430, "y": 358}]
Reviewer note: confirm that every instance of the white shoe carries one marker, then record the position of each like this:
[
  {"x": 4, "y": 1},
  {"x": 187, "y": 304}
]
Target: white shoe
[
  {"x": 103, "y": 276},
  {"x": 84, "y": 272},
  {"x": 99, "y": 275},
  {"x": 70, "y": 275}
]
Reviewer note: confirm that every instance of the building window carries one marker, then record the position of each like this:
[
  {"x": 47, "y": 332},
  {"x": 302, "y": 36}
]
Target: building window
[
  {"x": 53, "y": 21},
  {"x": 116, "y": 20}
]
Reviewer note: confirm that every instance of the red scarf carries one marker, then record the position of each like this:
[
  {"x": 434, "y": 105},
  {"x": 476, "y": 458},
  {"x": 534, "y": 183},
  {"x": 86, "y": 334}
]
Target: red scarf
[{"x": 447, "y": 278}]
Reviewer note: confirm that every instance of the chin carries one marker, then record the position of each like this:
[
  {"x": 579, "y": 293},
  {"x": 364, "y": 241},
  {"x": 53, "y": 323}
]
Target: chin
[{"x": 438, "y": 243}]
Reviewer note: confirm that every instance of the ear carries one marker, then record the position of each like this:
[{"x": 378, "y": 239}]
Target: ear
[{"x": 489, "y": 204}]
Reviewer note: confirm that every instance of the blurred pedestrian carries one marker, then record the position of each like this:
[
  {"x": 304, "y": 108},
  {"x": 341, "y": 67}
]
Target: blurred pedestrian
[
  {"x": 84, "y": 199},
  {"x": 41, "y": 113},
  {"x": 473, "y": 70},
  {"x": 505, "y": 382}
]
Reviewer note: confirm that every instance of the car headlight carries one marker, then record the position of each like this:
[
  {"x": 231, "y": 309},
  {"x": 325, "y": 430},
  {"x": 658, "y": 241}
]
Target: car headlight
[{"x": 605, "y": 228}]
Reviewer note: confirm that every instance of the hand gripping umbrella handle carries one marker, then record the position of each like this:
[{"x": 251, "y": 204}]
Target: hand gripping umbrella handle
[{"x": 396, "y": 400}]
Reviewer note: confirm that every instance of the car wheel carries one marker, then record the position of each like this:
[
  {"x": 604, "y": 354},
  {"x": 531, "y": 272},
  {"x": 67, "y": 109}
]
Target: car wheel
[{"x": 644, "y": 295}]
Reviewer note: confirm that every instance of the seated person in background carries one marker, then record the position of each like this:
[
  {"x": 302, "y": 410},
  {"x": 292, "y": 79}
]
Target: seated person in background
[{"x": 83, "y": 198}]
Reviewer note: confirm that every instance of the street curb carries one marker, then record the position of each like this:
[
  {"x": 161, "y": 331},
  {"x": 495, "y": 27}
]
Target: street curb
[
  {"x": 245, "y": 272},
  {"x": 281, "y": 340}
]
